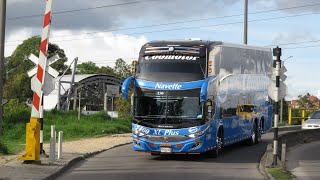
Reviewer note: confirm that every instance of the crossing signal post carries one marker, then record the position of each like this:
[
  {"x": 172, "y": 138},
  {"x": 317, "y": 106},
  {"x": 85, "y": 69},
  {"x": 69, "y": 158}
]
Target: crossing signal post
[
  {"x": 277, "y": 90},
  {"x": 32, "y": 153},
  {"x": 48, "y": 86}
]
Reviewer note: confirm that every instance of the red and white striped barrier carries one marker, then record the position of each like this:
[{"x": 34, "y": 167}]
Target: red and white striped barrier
[{"x": 38, "y": 84}]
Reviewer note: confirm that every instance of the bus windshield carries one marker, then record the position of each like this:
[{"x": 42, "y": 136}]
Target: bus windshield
[{"x": 168, "y": 107}]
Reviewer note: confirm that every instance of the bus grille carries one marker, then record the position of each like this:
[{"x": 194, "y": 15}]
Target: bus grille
[{"x": 167, "y": 138}]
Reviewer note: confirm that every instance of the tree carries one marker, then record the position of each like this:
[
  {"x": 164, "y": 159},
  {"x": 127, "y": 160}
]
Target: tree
[
  {"x": 305, "y": 102},
  {"x": 123, "y": 106},
  {"x": 106, "y": 70},
  {"x": 17, "y": 86},
  {"x": 19, "y": 58},
  {"x": 87, "y": 68},
  {"x": 122, "y": 69},
  {"x": 59, "y": 65}
]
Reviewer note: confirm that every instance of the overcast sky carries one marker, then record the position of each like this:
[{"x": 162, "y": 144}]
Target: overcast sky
[{"x": 106, "y": 33}]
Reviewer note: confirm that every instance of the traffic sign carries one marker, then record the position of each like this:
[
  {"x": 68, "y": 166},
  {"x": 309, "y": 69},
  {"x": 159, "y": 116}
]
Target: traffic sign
[
  {"x": 113, "y": 90},
  {"x": 274, "y": 73},
  {"x": 49, "y": 69},
  {"x": 51, "y": 73},
  {"x": 49, "y": 85},
  {"x": 272, "y": 91}
]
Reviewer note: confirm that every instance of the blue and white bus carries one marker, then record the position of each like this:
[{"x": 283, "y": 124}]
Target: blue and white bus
[{"x": 193, "y": 97}]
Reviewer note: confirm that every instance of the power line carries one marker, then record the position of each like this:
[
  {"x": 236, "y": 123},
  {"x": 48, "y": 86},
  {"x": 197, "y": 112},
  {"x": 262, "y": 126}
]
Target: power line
[
  {"x": 78, "y": 10},
  {"x": 178, "y": 22},
  {"x": 193, "y": 27},
  {"x": 111, "y": 60},
  {"x": 302, "y": 47},
  {"x": 300, "y": 42},
  {"x": 257, "y": 20},
  {"x": 189, "y": 21}
]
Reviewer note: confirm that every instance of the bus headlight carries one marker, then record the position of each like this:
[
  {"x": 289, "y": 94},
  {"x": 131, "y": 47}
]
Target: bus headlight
[
  {"x": 138, "y": 133},
  {"x": 198, "y": 134}
]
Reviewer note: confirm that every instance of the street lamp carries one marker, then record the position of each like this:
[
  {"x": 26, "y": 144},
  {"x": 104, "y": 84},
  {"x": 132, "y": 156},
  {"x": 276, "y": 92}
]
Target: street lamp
[{"x": 287, "y": 59}]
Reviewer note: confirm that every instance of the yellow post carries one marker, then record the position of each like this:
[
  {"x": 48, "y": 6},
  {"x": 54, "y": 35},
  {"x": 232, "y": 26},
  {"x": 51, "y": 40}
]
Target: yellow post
[
  {"x": 303, "y": 112},
  {"x": 289, "y": 115},
  {"x": 32, "y": 141}
]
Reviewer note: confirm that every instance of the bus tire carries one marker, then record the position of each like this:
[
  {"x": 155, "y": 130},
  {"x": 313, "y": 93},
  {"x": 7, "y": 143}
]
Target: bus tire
[
  {"x": 253, "y": 136},
  {"x": 258, "y": 133},
  {"x": 215, "y": 152}
]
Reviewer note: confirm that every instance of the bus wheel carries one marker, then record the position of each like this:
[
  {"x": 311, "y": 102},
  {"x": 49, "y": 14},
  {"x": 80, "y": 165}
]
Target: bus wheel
[
  {"x": 215, "y": 152},
  {"x": 253, "y": 137},
  {"x": 258, "y": 135}
]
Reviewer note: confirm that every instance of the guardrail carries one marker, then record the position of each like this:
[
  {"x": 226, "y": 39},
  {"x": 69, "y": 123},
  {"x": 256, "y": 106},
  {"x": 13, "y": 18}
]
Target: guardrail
[{"x": 303, "y": 116}]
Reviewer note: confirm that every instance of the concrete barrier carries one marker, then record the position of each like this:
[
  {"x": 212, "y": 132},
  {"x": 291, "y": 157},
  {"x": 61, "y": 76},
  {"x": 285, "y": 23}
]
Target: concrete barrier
[
  {"x": 297, "y": 137},
  {"x": 291, "y": 139},
  {"x": 288, "y": 128}
]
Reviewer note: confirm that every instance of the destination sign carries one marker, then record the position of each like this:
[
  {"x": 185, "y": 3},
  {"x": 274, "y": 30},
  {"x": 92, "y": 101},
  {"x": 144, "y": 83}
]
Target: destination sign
[{"x": 171, "y": 57}]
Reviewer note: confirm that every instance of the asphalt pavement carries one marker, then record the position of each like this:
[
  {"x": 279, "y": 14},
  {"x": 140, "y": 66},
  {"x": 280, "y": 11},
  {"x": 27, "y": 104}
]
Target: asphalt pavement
[
  {"x": 304, "y": 161},
  {"x": 238, "y": 161}
]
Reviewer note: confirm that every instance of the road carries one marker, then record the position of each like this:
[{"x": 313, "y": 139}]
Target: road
[
  {"x": 239, "y": 161},
  {"x": 304, "y": 161}
]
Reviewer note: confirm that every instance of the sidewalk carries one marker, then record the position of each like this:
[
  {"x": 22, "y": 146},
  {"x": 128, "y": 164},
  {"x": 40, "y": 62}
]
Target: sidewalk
[{"x": 11, "y": 168}]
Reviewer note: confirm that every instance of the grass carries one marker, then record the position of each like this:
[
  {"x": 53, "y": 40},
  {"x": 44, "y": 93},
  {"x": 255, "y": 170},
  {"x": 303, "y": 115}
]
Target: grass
[
  {"x": 88, "y": 126},
  {"x": 280, "y": 174}
]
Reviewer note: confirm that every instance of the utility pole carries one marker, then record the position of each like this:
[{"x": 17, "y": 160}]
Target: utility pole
[
  {"x": 281, "y": 111},
  {"x": 277, "y": 53},
  {"x": 245, "y": 41},
  {"x": 3, "y": 5}
]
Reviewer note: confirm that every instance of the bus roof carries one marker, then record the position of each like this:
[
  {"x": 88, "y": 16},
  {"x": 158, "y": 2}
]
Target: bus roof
[{"x": 205, "y": 43}]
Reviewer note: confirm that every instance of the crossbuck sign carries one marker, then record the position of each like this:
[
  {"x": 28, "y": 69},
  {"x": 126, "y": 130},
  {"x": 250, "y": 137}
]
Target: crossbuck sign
[{"x": 50, "y": 74}]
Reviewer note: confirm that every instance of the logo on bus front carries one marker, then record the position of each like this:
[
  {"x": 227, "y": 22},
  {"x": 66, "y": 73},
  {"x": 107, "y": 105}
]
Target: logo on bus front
[
  {"x": 193, "y": 129},
  {"x": 174, "y": 86}
]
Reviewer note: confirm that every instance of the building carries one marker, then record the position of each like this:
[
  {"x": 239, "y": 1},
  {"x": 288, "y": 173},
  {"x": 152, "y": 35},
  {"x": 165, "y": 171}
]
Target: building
[
  {"x": 89, "y": 92},
  {"x": 313, "y": 99}
]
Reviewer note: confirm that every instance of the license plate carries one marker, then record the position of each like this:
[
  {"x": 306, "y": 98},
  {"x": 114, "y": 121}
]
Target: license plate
[{"x": 165, "y": 150}]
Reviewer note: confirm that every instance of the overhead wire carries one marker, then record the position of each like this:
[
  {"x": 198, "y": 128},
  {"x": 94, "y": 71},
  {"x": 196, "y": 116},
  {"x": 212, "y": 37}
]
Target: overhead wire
[
  {"x": 79, "y": 10},
  {"x": 173, "y": 23}
]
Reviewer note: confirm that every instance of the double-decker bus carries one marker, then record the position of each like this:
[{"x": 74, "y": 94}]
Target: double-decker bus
[{"x": 196, "y": 96}]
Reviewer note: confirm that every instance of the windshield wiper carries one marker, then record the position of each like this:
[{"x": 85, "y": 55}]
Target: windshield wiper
[
  {"x": 186, "y": 118},
  {"x": 149, "y": 116},
  {"x": 202, "y": 71}
]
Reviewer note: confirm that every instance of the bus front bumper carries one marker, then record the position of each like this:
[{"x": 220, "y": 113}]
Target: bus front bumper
[{"x": 190, "y": 146}]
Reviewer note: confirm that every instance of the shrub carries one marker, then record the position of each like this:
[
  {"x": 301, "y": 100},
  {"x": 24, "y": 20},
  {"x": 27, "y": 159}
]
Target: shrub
[
  {"x": 15, "y": 112},
  {"x": 3, "y": 149},
  {"x": 123, "y": 106}
]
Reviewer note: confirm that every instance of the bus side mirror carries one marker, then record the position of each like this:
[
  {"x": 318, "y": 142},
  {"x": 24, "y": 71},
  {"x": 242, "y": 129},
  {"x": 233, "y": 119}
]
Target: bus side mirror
[{"x": 209, "y": 108}]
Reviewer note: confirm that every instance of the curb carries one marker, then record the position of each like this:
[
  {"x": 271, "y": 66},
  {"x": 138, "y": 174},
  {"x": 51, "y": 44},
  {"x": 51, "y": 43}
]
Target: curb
[
  {"x": 78, "y": 159},
  {"x": 263, "y": 161},
  {"x": 264, "y": 158}
]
